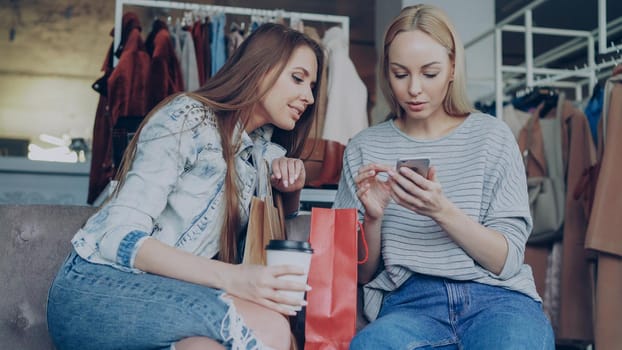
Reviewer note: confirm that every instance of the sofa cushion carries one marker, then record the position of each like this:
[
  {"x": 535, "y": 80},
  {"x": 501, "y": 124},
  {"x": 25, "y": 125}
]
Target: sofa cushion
[{"x": 35, "y": 241}]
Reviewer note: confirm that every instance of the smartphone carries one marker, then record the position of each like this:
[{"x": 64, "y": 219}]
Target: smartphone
[{"x": 418, "y": 165}]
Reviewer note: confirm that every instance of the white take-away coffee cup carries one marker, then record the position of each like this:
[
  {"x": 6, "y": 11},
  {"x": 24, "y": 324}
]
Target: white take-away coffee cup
[{"x": 287, "y": 252}]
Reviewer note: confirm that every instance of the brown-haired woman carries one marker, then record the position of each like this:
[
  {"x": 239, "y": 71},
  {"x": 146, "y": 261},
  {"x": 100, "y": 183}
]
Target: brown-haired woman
[{"x": 157, "y": 265}]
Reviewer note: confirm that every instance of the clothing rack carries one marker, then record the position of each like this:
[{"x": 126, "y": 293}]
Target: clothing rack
[
  {"x": 344, "y": 21},
  {"x": 532, "y": 75}
]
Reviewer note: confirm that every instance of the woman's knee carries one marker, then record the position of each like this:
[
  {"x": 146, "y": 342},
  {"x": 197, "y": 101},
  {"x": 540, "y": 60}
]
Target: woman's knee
[
  {"x": 358, "y": 343},
  {"x": 269, "y": 326},
  {"x": 367, "y": 338},
  {"x": 275, "y": 332},
  {"x": 198, "y": 343}
]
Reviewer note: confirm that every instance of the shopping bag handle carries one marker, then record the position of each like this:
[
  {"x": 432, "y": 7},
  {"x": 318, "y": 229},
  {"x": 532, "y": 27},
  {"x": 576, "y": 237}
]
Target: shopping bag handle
[{"x": 360, "y": 228}]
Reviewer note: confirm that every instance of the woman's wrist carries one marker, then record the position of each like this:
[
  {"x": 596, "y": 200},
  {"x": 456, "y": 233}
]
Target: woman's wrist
[
  {"x": 220, "y": 275},
  {"x": 371, "y": 220},
  {"x": 446, "y": 214}
]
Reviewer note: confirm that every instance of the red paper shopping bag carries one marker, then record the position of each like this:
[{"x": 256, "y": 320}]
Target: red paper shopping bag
[{"x": 330, "y": 321}]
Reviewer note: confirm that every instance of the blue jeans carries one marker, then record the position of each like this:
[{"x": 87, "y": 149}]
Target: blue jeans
[
  {"x": 92, "y": 306},
  {"x": 436, "y": 313}
]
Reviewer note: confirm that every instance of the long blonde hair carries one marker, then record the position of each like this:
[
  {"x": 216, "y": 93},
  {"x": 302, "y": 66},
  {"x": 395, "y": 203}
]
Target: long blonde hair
[
  {"x": 435, "y": 23},
  {"x": 231, "y": 93}
]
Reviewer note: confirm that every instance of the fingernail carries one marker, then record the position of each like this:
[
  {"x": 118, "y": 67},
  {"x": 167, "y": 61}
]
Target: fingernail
[
  {"x": 304, "y": 303},
  {"x": 285, "y": 183},
  {"x": 308, "y": 288},
  {"x": 292, "y": 180}
]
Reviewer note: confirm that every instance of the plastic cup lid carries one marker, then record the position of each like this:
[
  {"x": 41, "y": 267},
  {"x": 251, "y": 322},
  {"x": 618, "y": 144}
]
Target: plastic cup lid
[{"x": 299, "y": 246}]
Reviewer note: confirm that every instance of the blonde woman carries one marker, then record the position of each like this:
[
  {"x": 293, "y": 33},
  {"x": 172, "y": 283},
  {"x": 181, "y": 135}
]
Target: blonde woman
[
  {"x": 157, "y": 267},
  {"x": 445, "y": 267}
]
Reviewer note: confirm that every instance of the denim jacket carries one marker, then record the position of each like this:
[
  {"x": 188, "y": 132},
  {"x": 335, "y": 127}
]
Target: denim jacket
[{"x": 174, "y": 191}]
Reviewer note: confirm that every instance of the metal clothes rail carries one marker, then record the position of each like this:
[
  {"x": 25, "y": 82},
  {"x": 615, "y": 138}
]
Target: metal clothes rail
[
  {"x": 344, "y": 21},
  {"x": 553, "y": 77}
]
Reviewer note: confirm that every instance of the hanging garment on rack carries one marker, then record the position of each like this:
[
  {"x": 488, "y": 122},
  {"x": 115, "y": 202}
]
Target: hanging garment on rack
[
  {"x": 314, "y": 151},
  {"x": 200, "y": 41},
  {"x": 346, "y": 108},
  {"x": 127, "y": 94},
  {"x": 547, "y": 194},
  {"x": 322, "y": 96},
  {"x": 127, "y": 84},
  {"x": 187, "y": 57},
  {"x": 515, "y": 119},
  {"x": 235, "y": 38},
  {"x": 101, "y": 169},
  {"x": 604, "y": 235},
  {"x": 165, "y": 76},
  {"x": 218, "y": 45},
  {"x": 486, "y": 107},
  {"x": 346, "y": 112},
  {"x": 545, "y": 96},
  {"x": 123, "y": 95},
  {"x": 593, "y": 110},
  {"x": 575, "y": 304},
  {"x": 297, "y": 24}
]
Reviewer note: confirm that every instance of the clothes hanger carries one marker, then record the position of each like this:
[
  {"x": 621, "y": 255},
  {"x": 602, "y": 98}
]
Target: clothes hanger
[
  {"x": 529, "y": 98},
  {"x": 549, "y": 97}
]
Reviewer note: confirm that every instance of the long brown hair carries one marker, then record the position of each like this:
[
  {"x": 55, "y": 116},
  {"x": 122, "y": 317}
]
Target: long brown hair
[
  {"x": 231, "y": 93},
  {"x": 435, "y": 23}
]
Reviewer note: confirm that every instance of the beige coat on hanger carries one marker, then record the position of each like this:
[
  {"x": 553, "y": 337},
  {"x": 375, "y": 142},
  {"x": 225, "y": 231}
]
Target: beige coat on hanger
[
  {"x": 604, "y": 233},
  {"x": 575, "y": 301}
]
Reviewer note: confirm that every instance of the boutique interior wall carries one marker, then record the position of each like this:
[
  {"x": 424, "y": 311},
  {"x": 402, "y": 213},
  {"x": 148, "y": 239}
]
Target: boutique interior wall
[
  {"x": 51, "y": 51},
  {"x": 51, "y": 54}
]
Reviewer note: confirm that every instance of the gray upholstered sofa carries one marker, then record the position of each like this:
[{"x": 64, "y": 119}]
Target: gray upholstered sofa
[{"x": 34, "y": 242}]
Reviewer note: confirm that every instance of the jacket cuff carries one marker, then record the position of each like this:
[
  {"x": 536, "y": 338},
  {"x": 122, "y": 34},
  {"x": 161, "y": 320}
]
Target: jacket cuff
[{"x": 128, "y": 247}]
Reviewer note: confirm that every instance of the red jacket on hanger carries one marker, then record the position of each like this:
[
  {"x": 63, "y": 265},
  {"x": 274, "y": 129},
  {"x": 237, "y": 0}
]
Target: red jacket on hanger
[
  {"x": 200, "y": 41},
  {"x": 127, "y": 85},
  {"x": 122, "y": 93},
  {"x": 165, "y": 76}
]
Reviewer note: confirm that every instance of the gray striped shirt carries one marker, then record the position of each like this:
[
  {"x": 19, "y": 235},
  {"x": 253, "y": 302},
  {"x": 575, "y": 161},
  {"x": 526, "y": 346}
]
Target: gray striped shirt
[{"x": 481, "y": 171}]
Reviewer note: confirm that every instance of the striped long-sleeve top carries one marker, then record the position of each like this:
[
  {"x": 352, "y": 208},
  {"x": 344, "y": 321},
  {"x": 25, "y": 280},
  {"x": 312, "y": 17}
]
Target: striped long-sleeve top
[{"x": 481, "y": 171}]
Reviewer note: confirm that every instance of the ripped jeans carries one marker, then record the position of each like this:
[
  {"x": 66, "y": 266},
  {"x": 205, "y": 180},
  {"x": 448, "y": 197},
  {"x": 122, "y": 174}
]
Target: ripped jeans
[{"x": 93, "y": 306}]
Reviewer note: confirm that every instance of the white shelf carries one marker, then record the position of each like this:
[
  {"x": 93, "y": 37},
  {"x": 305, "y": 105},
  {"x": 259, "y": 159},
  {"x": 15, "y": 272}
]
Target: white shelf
[{"x": 317, "y": 195}]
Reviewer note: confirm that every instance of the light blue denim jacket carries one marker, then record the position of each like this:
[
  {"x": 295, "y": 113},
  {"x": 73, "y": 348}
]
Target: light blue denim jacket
[{"x": 174, "y": 191}]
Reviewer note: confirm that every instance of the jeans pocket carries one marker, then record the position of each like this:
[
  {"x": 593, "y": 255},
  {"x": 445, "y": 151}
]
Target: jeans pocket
[
  {"x": 52, "y": 295},
  {"x": 76, "y": 265}
]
